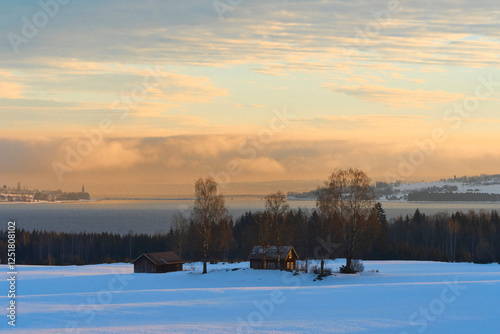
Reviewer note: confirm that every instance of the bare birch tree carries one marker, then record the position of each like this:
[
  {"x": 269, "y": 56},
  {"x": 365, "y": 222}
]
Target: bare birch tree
[
  {"x": 276, "y": 207},
  {"x": 265, "y": 230},
  {"x": 180, "y": 224},
  {"x": 209, "y": 209},
  {"x": 346, "y": 201}
]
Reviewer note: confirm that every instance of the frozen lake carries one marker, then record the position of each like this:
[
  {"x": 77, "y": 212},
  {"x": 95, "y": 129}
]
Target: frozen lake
[{"x": 153, "y": 216}]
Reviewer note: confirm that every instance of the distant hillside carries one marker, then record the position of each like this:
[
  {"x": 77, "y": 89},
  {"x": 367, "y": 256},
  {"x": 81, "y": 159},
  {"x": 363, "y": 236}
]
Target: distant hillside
[
  {"x": 307, "y": 195},
  {"x": 482, "y": 188}
]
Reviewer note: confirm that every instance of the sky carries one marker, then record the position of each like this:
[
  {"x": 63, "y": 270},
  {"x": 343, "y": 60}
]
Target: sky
[{"x": 145, "y": 97}]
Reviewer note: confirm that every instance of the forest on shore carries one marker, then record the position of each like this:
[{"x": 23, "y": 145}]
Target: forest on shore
[{"x": 459, "y": 237}]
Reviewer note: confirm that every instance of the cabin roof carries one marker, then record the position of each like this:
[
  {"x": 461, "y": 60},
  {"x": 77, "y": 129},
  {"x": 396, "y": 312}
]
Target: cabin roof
[
  {"x": 271, "y": 252},
  {"x": 161, "y": 258}
]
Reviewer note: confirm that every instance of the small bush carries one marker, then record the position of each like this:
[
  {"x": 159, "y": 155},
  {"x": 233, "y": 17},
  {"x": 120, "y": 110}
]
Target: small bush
[
  {"x": 345, "y": 270},
  {"x": 316, "y": 269},
  {"x": 356, "y": 267}
]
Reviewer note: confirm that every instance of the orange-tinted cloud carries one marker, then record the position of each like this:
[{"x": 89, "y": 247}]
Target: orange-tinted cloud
[
  {"x": 177, "y": 160},
  {"x": 9, "y": 88}
]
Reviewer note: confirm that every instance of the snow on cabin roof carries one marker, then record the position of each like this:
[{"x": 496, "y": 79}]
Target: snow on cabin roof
[
  {"x": 271, "y": 252},
  {"x": 162, "y": 258}
]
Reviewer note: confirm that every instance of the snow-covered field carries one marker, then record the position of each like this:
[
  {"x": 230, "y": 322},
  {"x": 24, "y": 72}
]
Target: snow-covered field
[{"x": 402, "y": 297}]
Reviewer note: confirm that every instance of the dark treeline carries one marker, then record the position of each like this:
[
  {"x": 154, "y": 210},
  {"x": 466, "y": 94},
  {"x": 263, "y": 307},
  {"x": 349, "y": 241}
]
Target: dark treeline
[
  {"x": 421, "y": 196},
  {"x": 461, "y": 237},
  {"x": 60, "y": 196}
]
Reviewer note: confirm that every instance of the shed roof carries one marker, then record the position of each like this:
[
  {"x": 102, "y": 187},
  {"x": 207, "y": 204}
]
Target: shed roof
[
  {"x": 271, "y": 252},
  {"x": 162, "y": 258}
]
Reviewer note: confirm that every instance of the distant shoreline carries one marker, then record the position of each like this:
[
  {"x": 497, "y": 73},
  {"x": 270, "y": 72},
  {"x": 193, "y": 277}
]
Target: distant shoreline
[
  {"x": 49, "y": 202},
  {"x": 240, "y": 197}
]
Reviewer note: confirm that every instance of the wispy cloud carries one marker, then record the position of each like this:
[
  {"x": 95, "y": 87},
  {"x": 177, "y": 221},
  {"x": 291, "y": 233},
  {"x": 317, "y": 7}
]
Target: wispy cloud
[{"x": 397, "y": 97}]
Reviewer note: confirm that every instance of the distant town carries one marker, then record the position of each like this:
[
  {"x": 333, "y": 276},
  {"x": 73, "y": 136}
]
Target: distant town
[{"x": 20, "y": 194}]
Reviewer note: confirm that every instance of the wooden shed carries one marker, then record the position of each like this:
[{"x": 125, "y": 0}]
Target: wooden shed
[
  {"x": 269, "y": 260},
  {"x": 158, "y": 263}
]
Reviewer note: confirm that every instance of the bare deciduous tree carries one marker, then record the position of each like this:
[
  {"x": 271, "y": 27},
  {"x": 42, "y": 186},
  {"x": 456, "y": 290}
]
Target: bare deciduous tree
[
  {"x": 209, "y": 209},
  {"x": 453, "y": 230},
  {"x": 276, "y": 207},
  {"x": 225, "y": 236},
  {"x": 346, "y": 201},
  {"x": 180, "y": 225},
  {"x": 324, "y": 198},
  {"x": 265, "y": 230}
]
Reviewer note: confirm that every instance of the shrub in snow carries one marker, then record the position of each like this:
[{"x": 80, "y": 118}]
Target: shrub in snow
[
  {"x": 356, "y": 267},
  {"x": 316, "y": 269},
  {"x": 345, "y": 270}
]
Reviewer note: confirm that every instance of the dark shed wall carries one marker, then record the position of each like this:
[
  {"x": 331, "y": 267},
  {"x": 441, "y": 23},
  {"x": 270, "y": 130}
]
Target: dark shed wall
[
  {"x": 165, "y": 268},
  {"x": 144, "y": 265}
]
